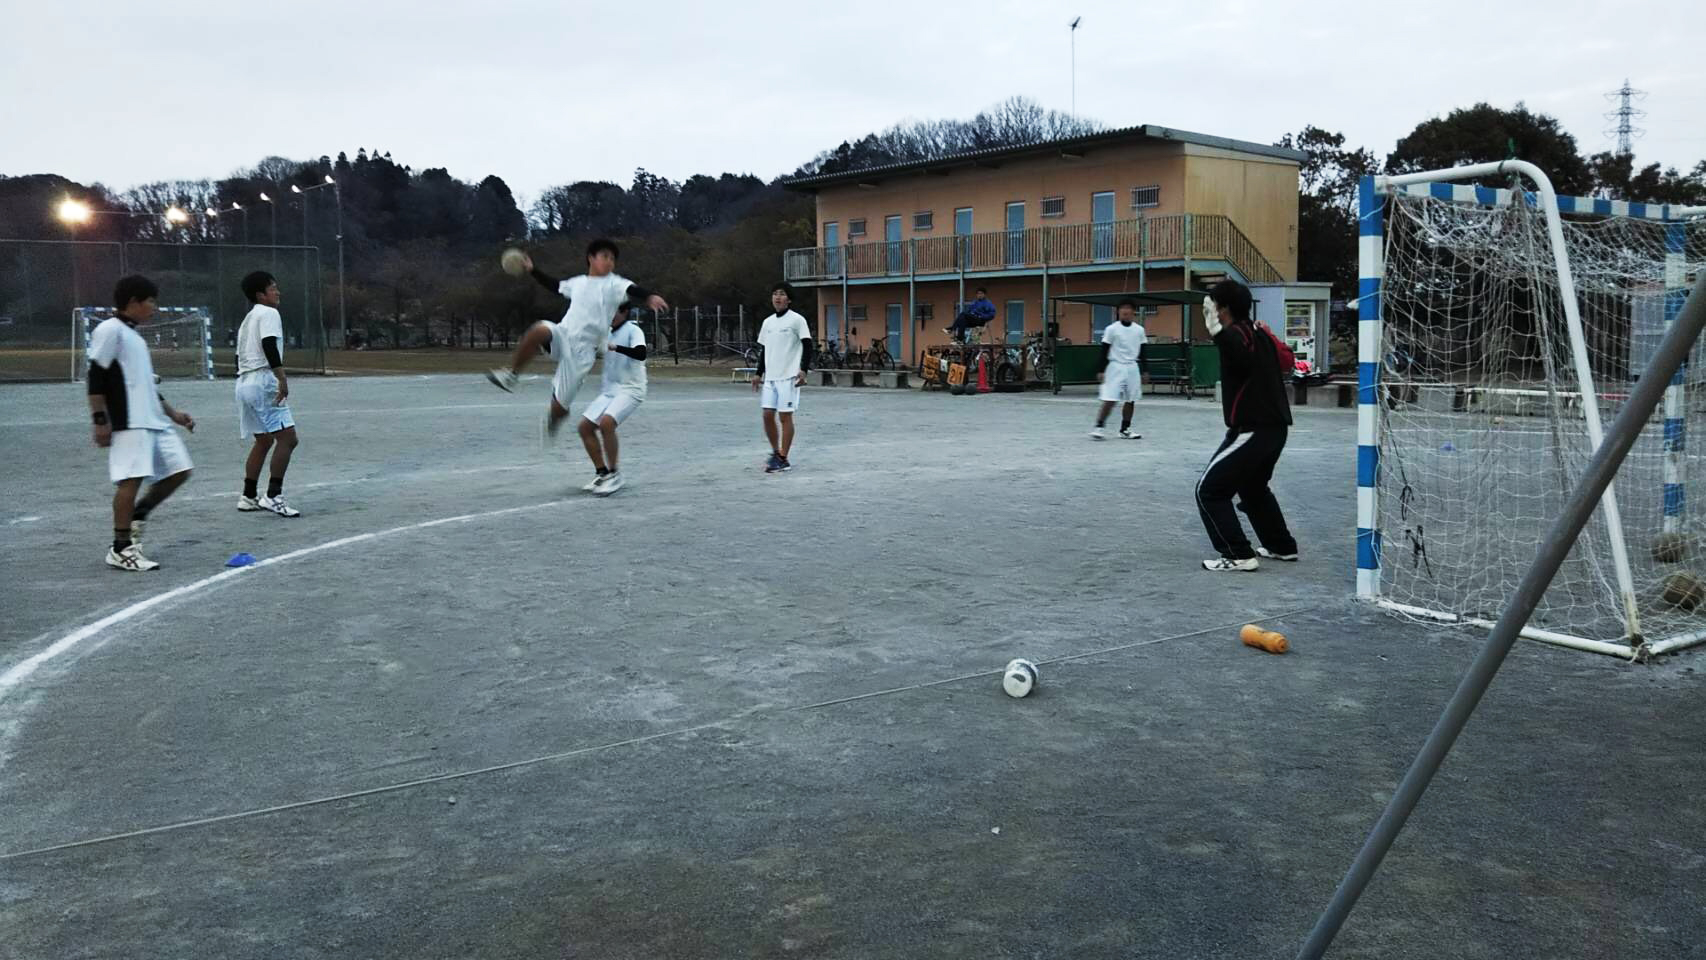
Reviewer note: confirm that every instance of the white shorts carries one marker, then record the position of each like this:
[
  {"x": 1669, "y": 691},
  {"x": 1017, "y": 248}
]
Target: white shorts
[
  {"x": 783, "y": 396},
  {"x": 616, "y": 406},
  {"x": 1121, "y": 382},
  {"x": 146, "y": 453},
  {"x": 574, "y": 362},
  {"x": 256, "y": 411}
]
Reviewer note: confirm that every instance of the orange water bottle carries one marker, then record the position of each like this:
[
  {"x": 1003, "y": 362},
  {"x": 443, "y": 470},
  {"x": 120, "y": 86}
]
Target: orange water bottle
[{"x": 1254, "y": 636}]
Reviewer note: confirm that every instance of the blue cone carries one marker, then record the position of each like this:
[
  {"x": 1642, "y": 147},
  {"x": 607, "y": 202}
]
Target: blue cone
[
  {"x": 1447, "y": 447},
  {"x": 241, "y": 560}
]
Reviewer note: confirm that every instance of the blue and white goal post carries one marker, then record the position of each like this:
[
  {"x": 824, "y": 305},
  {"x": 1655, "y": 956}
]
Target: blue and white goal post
[
  {"x": 180, "y": 341},
  {"x": 1499, "y": 327}
]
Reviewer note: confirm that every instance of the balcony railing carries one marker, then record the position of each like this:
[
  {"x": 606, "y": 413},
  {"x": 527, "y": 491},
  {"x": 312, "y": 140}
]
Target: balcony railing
[{"x": 1208, "y": 236}]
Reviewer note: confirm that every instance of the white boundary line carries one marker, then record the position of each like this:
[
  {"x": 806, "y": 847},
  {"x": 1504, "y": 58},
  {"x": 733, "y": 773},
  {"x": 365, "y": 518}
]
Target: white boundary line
[
  {"x": 14, "y": 677},
  {"x": 338, "y": 411}
]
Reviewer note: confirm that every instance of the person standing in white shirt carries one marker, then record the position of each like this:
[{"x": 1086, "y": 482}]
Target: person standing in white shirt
[
  {"x": 1121, "y": 377},
  {"x": 262, "y": 389},
  {"x": 784, "y": 356},
  {"x": 577, "y": 340},
  {"x": 624, "y": 389},
  {"x": 133, "y": 421}
]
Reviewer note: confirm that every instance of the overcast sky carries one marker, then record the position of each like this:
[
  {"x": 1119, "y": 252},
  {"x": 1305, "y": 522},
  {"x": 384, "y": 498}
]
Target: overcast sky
[{"x": 131, "y": 91}]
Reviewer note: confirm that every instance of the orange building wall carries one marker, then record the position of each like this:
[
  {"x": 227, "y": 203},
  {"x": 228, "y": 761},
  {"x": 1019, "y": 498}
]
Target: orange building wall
[
  {"x": 1244, "y": 188},
  {"x": 988, "y": 191}
]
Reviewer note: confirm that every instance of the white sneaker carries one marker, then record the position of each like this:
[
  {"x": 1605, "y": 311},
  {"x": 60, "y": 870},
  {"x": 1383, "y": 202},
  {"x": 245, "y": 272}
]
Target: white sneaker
[
  {"x": 1228, "y": 565},
  {"x": 596, "y": 482},
  {"x": 130, "y": 559},
  {"x": 278, "y": 506},
  {"x": 611, "y": 483},
  {"x": 247, "y": 503},
  {"x": 1098, "y": 434},
  {"x": 1262, "y": 552},
  {"x": 503, "y": 378},
  {"x": 1130, "y": 435},
  {"x": 136, "y": 528}
]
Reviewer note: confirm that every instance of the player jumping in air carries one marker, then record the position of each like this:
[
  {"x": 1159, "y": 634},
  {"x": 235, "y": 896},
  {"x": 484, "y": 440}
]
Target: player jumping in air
[{"x": 577, "y": 340}]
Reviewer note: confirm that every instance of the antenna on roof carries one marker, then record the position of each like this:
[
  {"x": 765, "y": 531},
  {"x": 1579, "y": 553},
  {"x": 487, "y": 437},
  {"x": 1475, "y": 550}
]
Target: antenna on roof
[{"x": 1074, "y": 33}]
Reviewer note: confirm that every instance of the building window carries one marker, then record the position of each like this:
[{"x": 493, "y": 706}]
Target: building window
[
  {"x": 1054, "y": 206},
  {"x": 1100, "y": 316},
  {"x": 855, "y": 316},
  {"x": 926, "y": 313},
  {"x": 962, "y": 222},
  {"x": 1145, "y": 197},
  {"x": 855, "y": 228},
  {"x": 1015, "y": 320},
  {"x": 832, "y": 234},
  {"x": 832, "y": 322},
  {"x": 924, "y": 221}
]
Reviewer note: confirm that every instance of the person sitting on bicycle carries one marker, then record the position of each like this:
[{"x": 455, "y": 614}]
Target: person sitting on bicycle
[{"x": 977, "y": 313}]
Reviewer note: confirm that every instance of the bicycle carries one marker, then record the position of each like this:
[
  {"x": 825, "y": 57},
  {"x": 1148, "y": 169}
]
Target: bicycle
[
  {"x": 1039, "y": 357},
  {"x": 830, "y": 357},
  {"x": 878, "y": 357}
]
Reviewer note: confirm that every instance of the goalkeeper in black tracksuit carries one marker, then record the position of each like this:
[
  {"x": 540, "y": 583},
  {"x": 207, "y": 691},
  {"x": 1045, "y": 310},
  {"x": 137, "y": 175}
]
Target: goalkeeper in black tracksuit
[{"x": 1257, "y": 416}]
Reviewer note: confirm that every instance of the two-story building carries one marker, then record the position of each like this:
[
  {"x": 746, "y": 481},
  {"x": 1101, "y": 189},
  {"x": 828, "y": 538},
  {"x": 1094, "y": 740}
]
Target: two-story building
[{"x": 1139, "y": 209}]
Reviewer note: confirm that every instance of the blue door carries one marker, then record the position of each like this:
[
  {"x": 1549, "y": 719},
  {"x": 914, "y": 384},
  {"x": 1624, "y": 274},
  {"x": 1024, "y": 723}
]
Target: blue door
[
  {"x": 896, "y": 316},
  {"x": 891, "y": 234},
  {"x": 832, "y": 322},
  {"x": 832, "y": 249},
  {"x": 1102, "y": 226},
  {"x": 962, "y": 229},
  {"x": 1015, "y": 321},
  {"x": 1016, "y": 234}
]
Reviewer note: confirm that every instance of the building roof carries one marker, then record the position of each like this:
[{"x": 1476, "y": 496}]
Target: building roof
[{"x": 985, "y": 156}]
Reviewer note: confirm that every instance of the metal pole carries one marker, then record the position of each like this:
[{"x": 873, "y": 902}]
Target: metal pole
[
  {"x": 909, "y": 334},
  {"x": 1584, "y": 500},
  {"x": 343, "y": 325}
]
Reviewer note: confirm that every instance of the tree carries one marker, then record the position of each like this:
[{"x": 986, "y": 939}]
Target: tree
[
  {"x": 1486, "y": 134},
  {"x": 1615, "y": 178},
  {"x": 1014, "y": 121},
  {"x": 1326, "y": 206}
]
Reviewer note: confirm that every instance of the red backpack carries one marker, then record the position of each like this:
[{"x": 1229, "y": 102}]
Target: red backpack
[{"x": 1287, "y": 359}]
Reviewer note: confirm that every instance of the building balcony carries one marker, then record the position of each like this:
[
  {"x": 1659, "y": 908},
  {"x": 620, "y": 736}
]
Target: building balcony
[{"x": 1119, "y": 243}]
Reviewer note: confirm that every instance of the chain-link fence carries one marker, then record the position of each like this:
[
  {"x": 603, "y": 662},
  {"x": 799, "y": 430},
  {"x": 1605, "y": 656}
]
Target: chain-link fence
[
  {"x": 708, "y": 335},
  {"x": 43, "y": 281}
]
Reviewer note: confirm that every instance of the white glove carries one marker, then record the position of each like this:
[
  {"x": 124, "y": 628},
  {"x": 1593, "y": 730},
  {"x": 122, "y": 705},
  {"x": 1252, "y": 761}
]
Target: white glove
[{"x": 1211, "y": 316}]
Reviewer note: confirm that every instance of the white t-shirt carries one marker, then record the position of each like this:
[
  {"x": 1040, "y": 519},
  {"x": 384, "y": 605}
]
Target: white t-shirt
[
  {"x": 1124, "y": 342},
  {"x": 622, "y": 373},
  {"x": 592, "y": 302},
  {"x": 261, "y": 322},
  {"x": 133, "y": 404},
  {"x": 780, "y": 337}
]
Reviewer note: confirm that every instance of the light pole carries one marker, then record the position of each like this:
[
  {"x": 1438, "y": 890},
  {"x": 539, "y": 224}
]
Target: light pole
[
  {"x": 1074, "y": 33},
  {"x": 272, "y": 236},
  {"x": 337, "y": 196}
]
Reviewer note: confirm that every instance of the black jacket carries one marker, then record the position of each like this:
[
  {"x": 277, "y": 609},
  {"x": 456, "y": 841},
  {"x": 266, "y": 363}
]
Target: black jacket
[{"x": 1252, "y": 392}]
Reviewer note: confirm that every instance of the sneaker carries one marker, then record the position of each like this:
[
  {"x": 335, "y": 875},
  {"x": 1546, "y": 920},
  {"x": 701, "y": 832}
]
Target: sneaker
[
  {"x": 278, "y": 506},
  {"x": 1262, "y": 552},
  {"x": 593, "y": 484},
  {"x": 1130, "y": 435},
  {"x": 609, "y": 484},
  {"x": 247, "y": 503},
  {"x": 136, "y": 528},
  {"x": 503, "y": 378},
  {"x": 1229, "y": 565},
  {"x": 786, "y": 466},
  {"x": 774, "y": 464},
  {"x": 1098, "y": 434},
  {"x": 130, "y": 559}
]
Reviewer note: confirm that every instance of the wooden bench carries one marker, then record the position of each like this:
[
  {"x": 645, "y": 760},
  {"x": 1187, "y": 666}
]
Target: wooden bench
[{"x": 743, "y": 374}]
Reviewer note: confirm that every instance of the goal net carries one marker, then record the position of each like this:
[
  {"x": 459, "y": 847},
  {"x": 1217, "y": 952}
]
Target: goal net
[
  {"x": 180, "y": 341},
  {"x": 1488, "y": 369}
]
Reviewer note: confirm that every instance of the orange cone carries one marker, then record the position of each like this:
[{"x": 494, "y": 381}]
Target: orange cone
[
  {"x": 982, "y": 372},
  {"x": 1254, "y": 636}
]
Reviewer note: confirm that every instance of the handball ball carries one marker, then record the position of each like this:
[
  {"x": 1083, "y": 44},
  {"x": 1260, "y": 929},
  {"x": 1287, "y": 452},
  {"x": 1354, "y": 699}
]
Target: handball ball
[
  {"x": 514, "y": 262},
  {"x": 1020, "y": 678}
]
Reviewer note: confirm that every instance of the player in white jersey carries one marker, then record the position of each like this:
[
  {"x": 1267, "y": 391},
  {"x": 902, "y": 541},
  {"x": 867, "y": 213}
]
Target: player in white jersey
[
  {"x": 262, "y": 389},
  {"x": 133, "y": 421},
  {"x": 623, "y": 390},
  {"x": 577, "y": 340},
  {"x": 1121, "y": 376},
  {"x": 784, "y": 356}
]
